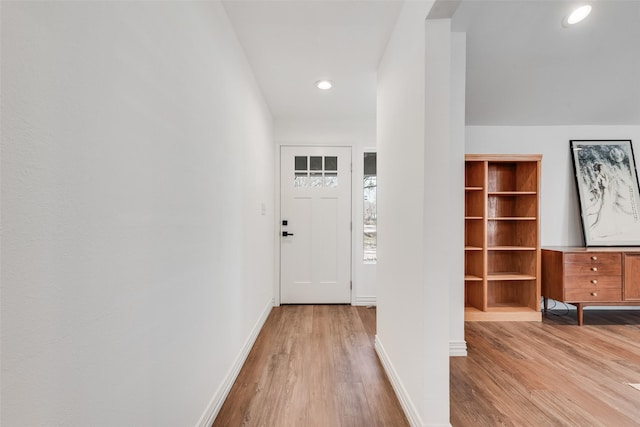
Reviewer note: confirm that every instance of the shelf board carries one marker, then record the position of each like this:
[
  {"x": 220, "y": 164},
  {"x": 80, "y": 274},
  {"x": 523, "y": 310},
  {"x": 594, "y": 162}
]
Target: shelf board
[
  {"x": 509, "y": 276},
  {"x": 473, "y": 188},
  {"x": 502, "y": 314},
  {"x": 472, "y": 248},
  {"x": 512, "y": 218},
  {"x": 472, "y": 278},
  {"x": 512, "y": 193},
  {"x": 473, "y": 217},
  {"x": 506, "y": 158},
  {"x": 511, "y": 248},
  {"x": 508, "y": 306}
]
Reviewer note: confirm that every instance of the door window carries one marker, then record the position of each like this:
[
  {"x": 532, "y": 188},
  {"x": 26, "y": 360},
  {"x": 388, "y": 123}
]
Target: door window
[{"x": 316, "y": 171}]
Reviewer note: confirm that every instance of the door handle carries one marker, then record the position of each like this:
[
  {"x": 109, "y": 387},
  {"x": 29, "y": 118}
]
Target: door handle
[{"x": 285, "y": 234}]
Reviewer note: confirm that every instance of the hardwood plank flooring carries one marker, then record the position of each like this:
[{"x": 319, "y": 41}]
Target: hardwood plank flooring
[
  {"x": 552, "y": 373},
  {"x": 316, "y": 366},
  {"x": 313, "y": 366}
]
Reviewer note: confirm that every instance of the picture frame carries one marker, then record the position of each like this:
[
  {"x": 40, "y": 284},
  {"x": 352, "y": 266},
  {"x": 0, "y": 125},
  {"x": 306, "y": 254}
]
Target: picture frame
[{"x": 607, "y": 185}]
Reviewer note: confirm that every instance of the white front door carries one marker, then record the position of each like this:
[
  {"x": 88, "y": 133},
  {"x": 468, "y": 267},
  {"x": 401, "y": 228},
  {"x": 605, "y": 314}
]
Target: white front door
[{"x": 315, "y": 226}]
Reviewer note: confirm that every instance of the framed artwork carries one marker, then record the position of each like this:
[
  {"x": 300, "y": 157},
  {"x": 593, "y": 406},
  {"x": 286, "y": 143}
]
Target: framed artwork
[{"x": 607, "y": 185}]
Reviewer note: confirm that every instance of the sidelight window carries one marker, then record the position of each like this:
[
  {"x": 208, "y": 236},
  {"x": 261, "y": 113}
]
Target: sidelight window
[{"x": 370, "y": 207}]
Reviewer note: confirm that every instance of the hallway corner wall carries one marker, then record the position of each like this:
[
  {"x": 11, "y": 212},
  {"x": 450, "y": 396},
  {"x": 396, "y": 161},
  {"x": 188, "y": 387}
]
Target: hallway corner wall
[
  {"x": 413, "y": 128},
  {"x": 137, "y": 211}
]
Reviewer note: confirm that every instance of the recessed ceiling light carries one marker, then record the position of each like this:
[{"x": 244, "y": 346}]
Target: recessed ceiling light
[
  {"x": 577, "y": 15},
  {"x": 324, "y": 84}
]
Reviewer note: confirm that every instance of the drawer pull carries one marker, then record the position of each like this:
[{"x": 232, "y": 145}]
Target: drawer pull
[
  {"x": 595, "y": 258},
  {"x": 594, "y": 294},
  {"x": 594, "y": 281},
  {"x": 594, "y": 268}
]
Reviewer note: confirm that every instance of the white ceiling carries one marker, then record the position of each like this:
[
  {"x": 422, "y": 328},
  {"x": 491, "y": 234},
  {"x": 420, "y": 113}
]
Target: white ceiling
[
  {"x": 523, "y": 67},
  {"x": 293, "y": 43}
]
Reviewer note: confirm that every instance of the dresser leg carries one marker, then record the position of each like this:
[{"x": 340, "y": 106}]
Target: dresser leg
[{"x": 580, "y": 314}]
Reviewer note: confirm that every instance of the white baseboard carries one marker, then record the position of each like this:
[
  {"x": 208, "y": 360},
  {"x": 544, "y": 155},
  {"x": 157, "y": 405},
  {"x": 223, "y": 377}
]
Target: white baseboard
[
  {"x": 209, "y": 416},
  {"x": 366, "y": 301},
  {"x": 405, "y": 401},
  {"x": 457, "y": 348}
]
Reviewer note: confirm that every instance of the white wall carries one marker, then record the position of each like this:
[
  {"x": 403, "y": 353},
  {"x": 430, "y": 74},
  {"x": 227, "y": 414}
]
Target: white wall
[
  {"x": 559, "y": 209},
  {"x": 137, "y": 260},
  {"x": 438, "y": 218},
  {"x": 413, "y": 280},
  {"x": 457, "y": 343},
  {"x": 360, "y": 134},
  {"x": 400, "y": 97}
]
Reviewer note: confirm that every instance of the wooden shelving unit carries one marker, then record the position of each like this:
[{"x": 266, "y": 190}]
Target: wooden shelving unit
[{"x": 502, "y": 244}]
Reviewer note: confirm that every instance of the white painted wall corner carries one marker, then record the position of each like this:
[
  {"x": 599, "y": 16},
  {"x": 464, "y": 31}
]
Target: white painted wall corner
[
  {"x": 209, "y": 415},
  {"x": 405, "y": 400}
]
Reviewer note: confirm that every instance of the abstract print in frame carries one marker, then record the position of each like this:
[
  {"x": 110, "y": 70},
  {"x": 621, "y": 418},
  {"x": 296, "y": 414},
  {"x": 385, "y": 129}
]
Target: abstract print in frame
[{"x": 607, "y": 184}]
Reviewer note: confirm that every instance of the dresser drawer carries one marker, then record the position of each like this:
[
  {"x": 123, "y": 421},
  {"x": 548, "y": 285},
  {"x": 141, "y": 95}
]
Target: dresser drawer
[
  {"x": 593, "y": 294},
  {"x": 589, "y": 281},
  {"x": 591, "y": 276},
  {"x": 593, "y": 257},
  {"x": 595, "y": 268}
]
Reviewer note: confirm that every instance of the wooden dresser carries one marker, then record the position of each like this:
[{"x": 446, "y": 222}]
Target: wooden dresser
[{"x": 591, "y": 276}]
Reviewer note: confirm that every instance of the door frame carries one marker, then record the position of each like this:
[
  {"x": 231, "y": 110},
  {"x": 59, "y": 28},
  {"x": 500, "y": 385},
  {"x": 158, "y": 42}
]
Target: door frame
[{"x": 277, "y": 216}]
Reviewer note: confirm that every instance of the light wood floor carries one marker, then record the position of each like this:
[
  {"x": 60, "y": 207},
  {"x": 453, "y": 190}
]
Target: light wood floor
[
  {"x": 313, "y": 366},
  {"x": 553, "y": 373}
]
